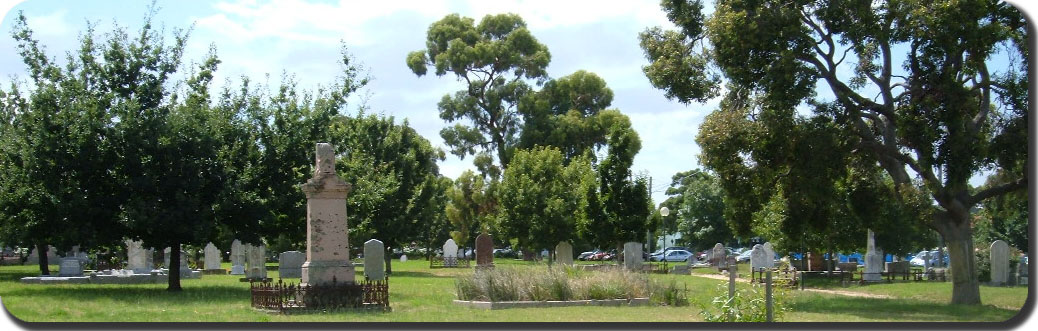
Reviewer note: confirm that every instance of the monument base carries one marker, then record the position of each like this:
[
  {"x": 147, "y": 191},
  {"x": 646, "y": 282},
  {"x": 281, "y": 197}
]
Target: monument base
[
  {"x": 324, "y": 272},
  {"x": 238, "y": 270}
]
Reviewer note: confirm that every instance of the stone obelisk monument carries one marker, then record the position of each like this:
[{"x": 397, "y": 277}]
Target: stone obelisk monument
[{"x": 327, "y": 246}]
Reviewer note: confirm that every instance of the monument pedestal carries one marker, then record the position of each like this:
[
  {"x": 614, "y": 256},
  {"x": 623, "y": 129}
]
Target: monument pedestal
[{"x": 324, "y": 272}]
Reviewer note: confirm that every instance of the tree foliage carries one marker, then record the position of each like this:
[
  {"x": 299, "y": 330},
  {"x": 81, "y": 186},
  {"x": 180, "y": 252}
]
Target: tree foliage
[
  {"x": 697, "y": 208},
  {"x": 937, "y": 90},
  {"x": 617, "y": 204},
  {"x": 493, "y": 58},
  {"x": 540, "y": 198}
]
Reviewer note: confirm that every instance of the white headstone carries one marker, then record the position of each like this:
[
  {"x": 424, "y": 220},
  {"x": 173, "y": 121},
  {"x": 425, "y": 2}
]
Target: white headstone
[
  {"x": 999, "y": 263},
  {"x": 212, "y": 257},
  {"x": 770, "y": 252},
  {"x": 403, "y": 258},
  {"x": 290, "y": 264},
  {"x": 70, "y": 267},
  {"x": 374, "y": 260},
  {"x": 758, "y": 257},
  {"x": 633, "y": 255},
  {"x": 874, "y": 262},
  {"x": 137, "y": 257},
  {"x": 564, "y": 253},
  {"x": 450, "y": 249},
  {"x": 256, "y": 262},
  {"x": 165, "y": 257},
  {"x": 237, "y": 258}
]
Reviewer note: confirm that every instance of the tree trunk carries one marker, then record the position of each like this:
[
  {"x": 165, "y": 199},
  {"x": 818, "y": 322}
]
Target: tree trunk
[
  {"x": 958, "y": 236},
  {"x": 41, "y": 251},
  {"x": 619, "y": 254},
  {"x": 174, "y": 268},
  {"x": 389, "y": 261}
]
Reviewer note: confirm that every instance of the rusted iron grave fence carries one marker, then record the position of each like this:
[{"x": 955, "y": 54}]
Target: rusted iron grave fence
[
  {"x": 846, "y": 278},
  {"x": 285, "y": 297}
]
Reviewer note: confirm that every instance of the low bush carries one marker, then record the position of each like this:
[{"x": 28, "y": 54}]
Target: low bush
[{"x": 559, "y": 283}]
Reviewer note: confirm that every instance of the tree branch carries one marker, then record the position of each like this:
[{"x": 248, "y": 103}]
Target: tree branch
[{"x": 1004, "y": 188}]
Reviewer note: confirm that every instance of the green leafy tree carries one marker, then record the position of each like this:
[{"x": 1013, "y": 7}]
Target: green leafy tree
[
  {"x": 697, "y": 204},
  {"x": 569, "y": 113},
  {"x": 617, "y": 209},
  {"x": 540, "y": 202},
  {"x": 471, "y": 206},
  {"x": 952, "y": 106},
  {"x": 395, "y": 179},
  {"x": 1004, "y": 218},
  {"x": 492, "y": 58}
]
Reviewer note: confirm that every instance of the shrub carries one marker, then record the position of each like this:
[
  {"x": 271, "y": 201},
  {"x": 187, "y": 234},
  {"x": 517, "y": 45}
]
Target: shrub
[
  {"x": 745, "y": 306},
  {"x": 550, "y": 284},
  {"x": 670, "y": 294}
]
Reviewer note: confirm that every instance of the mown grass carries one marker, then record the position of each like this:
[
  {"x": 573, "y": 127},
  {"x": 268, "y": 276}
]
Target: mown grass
[{"x": 420, "y": 294}]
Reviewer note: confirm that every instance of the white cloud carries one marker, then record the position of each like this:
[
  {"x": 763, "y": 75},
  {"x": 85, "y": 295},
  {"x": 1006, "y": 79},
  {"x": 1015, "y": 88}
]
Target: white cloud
[{"x": 51, "y": 25}]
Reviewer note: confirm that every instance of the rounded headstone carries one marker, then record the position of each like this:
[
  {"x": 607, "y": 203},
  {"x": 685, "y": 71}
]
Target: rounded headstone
[{"x": 374, "y": 260}]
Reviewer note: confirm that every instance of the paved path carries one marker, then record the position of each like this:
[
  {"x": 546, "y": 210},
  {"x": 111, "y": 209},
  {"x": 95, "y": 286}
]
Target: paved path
[{"x": 836, "y": 292}]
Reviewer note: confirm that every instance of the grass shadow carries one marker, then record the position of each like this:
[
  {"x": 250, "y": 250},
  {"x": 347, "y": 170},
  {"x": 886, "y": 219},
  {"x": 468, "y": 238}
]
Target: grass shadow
[
  {"x": 897, "y": 309},
  {"x": 136, "y": 294}
]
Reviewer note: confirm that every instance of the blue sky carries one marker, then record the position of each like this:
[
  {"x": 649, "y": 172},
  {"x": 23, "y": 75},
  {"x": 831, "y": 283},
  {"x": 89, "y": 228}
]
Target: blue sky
[{"x": 255, "y": 38}]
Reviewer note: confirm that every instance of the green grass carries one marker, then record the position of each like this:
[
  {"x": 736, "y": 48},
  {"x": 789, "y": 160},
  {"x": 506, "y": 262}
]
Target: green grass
[{"x": 420, "y": 294}]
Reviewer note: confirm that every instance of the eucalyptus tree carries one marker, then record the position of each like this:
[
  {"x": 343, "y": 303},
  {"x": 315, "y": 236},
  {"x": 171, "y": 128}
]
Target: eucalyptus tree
[
  {"x": 616, "y": 203},
  {"x": 936, "y": 93},
  {"x": 492, "y": 58}
]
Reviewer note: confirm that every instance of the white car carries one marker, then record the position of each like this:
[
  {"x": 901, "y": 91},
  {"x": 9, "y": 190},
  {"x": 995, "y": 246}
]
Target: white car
[{"x": 674, "y": 255}]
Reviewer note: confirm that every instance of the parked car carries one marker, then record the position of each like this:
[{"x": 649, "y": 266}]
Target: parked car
[
  {"x": 744, "y": 256},
  {"x": 585, "y": 255},
  {"x": 673, "y": 255}
]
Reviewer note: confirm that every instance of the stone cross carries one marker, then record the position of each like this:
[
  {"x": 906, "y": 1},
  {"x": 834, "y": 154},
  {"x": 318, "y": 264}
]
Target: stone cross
[
  {"x": 256, "y": 262},
  {"x": 633, "y": 255},
  {"x": 290, "y": 264},
  {"x": 212, "y": 257},
  {"x": 999, "y": 263},
  {"x": 484, "y": 250},
  {"x": 327, "y": 242},
  {"x": 374, "y": 260},
  {"x": 874, "y": 261},
  {"x": 564, "y": 253}
]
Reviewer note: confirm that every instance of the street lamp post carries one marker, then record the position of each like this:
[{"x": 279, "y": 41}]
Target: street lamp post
[{"x": 664, "y": 211}]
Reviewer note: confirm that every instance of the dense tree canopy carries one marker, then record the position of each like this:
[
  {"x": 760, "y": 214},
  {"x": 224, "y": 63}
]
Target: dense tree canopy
[
  {"x": 540, "y": 198},
  {"x": 617, "y": 204},
  {"x": 937, "y": 94},
  {"x": 697, "y": 209}
]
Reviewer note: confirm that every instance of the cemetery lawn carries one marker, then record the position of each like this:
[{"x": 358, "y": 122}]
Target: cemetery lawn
[{"x": 420, "y": 294}]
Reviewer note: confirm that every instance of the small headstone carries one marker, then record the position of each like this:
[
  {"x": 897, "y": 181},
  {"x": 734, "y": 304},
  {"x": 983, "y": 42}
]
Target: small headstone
[
  {"x": 33, "y": 258},
  {"x": 718, "y": 256},
  {"x": 564, "y": 253},
  {"x": 450, "y": 253},
  {"x": 403, "y": 258},
  {"x": 999, "y": 263},
  {"x": 770, "y": 252},
  {"x": 290, "y": 264},
  {"x": 874, "y": 262},
  {"x": 237, "y": 258},
  {"x": 256, "y": 262},
  {"x": 374, "y": 260},
  {"x": 212, "y": 257},
  {"x": 165, "y": 257},
  {"x": 70, "y": 267},
  {"x": 450, "y": 249},
  {"x": 484, "y": 250},
  {"x": 758, "y": 257},
  {"x": 633, "y": 255}
]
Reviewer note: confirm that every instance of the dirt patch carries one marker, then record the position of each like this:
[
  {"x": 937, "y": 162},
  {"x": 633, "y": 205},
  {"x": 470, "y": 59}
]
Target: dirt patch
[{"x": 835, "y": 292}]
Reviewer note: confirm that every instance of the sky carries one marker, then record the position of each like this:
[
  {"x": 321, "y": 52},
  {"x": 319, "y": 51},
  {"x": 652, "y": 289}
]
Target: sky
[{"x": 303, "y": 38}]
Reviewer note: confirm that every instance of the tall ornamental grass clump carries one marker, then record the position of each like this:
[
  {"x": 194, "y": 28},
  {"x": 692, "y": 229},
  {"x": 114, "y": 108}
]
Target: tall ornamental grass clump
[{"x": 559, "y": 283}]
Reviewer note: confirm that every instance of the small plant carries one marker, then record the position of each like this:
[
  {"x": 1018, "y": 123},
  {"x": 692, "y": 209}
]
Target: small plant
[
  {"x": 744, "y": 306},
  {"x": 670, "y": 294}
]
